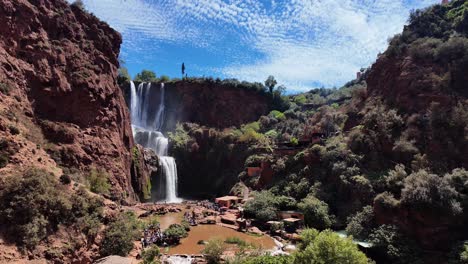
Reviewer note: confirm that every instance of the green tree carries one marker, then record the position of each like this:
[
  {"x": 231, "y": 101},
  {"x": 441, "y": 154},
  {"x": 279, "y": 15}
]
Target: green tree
[
  {"x": 124, "y": 76},
  {"x": 270, "y": 82},
  {"x": 79, "y": 4},
  {"x": 360, "y": 224},
  {"x": 328, "y": 247},
  {"x": 150, "y": 254},
  {"x": 262, "y": 207},
  {"x": 164, "y": 78},
  {"x": 146, "y": 76},
  {"x": 315, "y": 212},
  {"x": 120, "y": 235}
]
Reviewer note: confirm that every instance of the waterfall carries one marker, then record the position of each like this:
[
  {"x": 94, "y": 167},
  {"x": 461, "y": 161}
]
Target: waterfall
[{"x": 146, "y": 127}]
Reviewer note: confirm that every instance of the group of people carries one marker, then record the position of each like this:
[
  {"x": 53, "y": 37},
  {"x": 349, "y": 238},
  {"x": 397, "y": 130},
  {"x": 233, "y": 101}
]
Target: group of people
[
  {"x": 190, "y": 218},
  {"x": 153, "y": 235}
]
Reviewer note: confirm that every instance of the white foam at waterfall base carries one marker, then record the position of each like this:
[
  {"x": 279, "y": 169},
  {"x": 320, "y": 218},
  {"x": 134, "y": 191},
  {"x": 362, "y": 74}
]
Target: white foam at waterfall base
[{"x": 147, "y": 134}]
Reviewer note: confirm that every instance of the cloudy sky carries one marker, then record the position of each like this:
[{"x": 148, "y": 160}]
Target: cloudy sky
[{"x": 303, "y": 43}]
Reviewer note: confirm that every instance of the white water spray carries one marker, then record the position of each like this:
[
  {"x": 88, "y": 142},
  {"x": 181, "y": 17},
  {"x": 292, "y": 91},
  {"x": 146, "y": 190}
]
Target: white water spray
[{"x": 146, "y": 132}]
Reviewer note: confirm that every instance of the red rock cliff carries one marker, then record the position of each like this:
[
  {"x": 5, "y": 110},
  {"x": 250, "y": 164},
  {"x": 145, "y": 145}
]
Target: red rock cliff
[{"x": 58, "y": 68}]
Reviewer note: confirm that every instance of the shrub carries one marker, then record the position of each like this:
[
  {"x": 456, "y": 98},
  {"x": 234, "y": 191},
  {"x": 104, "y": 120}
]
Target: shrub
[
  {"x": 396, "y": 248},
  {"x": 146, "y": 76},
  {"x": 149, "y": 254},
  {"x": 361, "y": 224},
  {"x": 48, "y": 205},
  {"x": 124, "y": 76},
  {"x": 315, "y": 213},
  {"x": 426, "y": 191},
  {"x": 5, "y": 88},
  {"x": 294, "y": 141},
  {"x": 386, "y": 200},
  {"x": 268, "y": 260},
  {"x": 164, "y": 78},
  {"x": 3, "y": 160},
  {"x": 262, "y": 207},
  {"x": 213, "y": 251},
  {"x": 300, "y": 99},
  {"x": 65, "y": 179},
  {"x": 277, "y": 114},
  {"x": 79, "y": 4},
  {"x": 14, "y": 130},
  {"x": 120, "y": 234},
  {"x": 236, "y": 240},
  {"x": 176, "y": 230},
  {"x": 98, "y": 181},
  {"x": 328, "y": 247}
]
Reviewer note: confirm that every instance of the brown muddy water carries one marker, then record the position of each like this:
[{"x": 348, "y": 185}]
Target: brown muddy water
[{"x": 189, "y": 245}]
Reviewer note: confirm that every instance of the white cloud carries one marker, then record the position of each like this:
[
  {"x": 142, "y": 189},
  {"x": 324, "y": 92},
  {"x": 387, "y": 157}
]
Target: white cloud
[{"x": 303, "y": 42}]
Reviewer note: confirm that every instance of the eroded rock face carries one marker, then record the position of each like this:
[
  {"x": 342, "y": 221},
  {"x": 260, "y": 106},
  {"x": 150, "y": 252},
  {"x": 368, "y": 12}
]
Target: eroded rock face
[
  {"x": 209, "y": 104},
  {"x": 60, "y": 65}
]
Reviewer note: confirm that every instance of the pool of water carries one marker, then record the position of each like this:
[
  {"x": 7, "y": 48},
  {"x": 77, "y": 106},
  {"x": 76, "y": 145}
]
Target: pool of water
[
  {"x": 189, "y": 245},
  {"x": 170, "y": 218}
]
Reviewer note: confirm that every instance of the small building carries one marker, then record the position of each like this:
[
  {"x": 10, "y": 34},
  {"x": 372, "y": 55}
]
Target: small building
[
  {"x": 290, "y": 214},
  {"x": 227, "y": 201}
]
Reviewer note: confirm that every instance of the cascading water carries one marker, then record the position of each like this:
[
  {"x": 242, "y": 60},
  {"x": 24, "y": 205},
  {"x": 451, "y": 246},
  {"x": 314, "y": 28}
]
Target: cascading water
[{"x": 146, "y": 131}]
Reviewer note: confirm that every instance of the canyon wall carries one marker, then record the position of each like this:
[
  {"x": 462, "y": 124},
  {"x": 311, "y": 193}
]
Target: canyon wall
[
  {"x": 58, "y": 69},
  {"x": 209, "y": 104}
]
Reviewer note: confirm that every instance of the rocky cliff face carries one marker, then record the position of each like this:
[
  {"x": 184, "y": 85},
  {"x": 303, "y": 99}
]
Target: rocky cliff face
[
  {"x": 58, "y": 69},
  {"x": 209, "y": 104}
]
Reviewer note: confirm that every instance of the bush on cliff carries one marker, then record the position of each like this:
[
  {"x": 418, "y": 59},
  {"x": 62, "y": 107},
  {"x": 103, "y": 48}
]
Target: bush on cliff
[
  {"x": 120, "y": 235},
  {"x": 146, "y": 76},
  {"x": 361, "y": 223},
  {"x": 34, "y": 204},
  {"x": 98, "y": 181}
]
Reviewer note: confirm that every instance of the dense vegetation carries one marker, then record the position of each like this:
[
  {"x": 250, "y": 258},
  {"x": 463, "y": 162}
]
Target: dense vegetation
[
  {"x": 34, "y": 205},
  {"x": 365, "y": 160}
]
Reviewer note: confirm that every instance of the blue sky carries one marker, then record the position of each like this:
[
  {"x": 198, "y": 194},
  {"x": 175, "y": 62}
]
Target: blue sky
[{"x": 303, "y": 43}]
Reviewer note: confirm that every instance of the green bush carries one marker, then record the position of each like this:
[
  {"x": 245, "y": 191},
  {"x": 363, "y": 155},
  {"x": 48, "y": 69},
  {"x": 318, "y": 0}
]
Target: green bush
[
  {"x": 120, "y": 235},
  {"x": 176, "y": 230},
  {"x": 361, "y": 224},
  {"x": 269, "y": 260},
  {"x": 262, "y": 207},
  {"x": 146, "y": 76},
  {"x": 428, "y": 191},
  {"x": 98, "y": 181},
  {"x": 300, "y": 99},
  {"x": 213, "y": 251},
  {"x": 164, "y": 78},
  {"x": 388, "y": 241},
  {"x": 150, "y": 254},
  {"x": 328, "y": 247},
  {"x": 124, "y": 76},
  {"x": 277, "y": 114},
  {"x": 315, "y": 213},
  {"x": 34, "y": 204},
  {"x": 236, "y": 240},
  {"x": 294, "y": 141}
]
